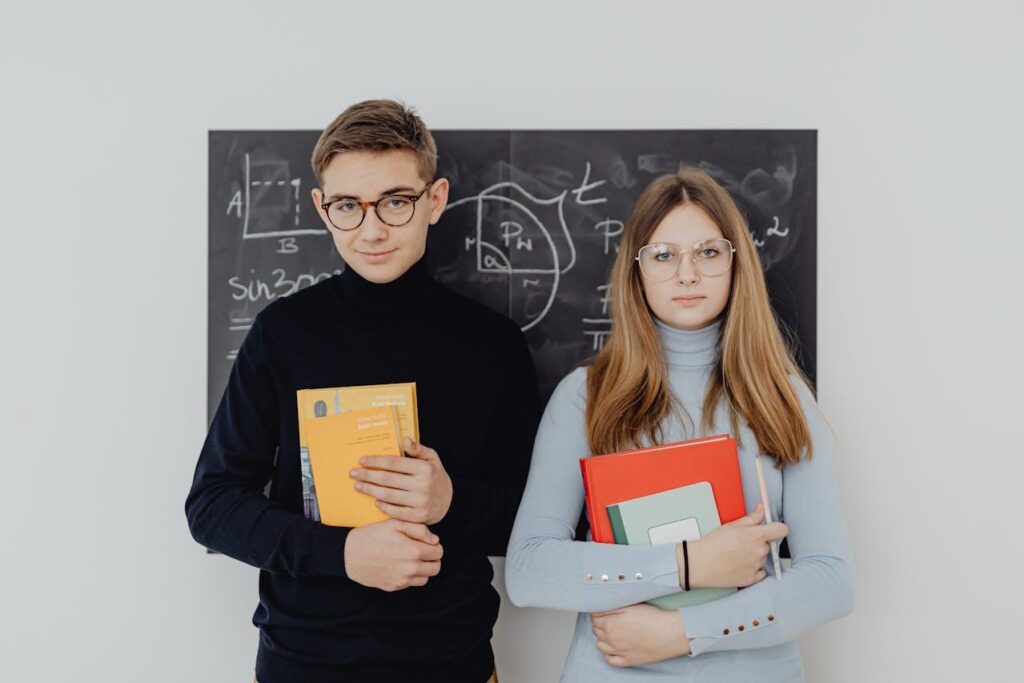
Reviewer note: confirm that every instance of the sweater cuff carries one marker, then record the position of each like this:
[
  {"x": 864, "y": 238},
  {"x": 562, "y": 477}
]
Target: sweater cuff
[
  {"x": 328, "y": 551},
  {"x": 709, "y": 626}
]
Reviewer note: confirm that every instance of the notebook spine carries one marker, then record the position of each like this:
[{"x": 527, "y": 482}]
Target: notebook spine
[{"x": 585, "y": 471}]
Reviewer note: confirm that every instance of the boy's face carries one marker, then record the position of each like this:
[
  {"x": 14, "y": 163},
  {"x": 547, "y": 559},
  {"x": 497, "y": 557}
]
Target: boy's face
[{"x": 377, "y": 251}]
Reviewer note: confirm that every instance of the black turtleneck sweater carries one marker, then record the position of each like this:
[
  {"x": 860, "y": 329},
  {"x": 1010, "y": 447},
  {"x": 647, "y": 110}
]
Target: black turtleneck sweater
[{"x": 478, "y": 408}]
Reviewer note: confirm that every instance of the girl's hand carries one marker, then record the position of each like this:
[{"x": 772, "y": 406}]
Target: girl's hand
[
  {"x": 733, "y": 555},
  {"x": 640, "y": 634}
]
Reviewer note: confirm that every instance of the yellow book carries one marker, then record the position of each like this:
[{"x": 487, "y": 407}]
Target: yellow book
[
  {"x": 318, "y": 403},
  {"x": 336, "y": 442},
  {"x": 315, "y": 403}
]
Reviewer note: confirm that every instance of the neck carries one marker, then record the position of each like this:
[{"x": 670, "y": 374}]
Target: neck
[
  {"x": 690, "y": 348},
  {"x": 403, "y": 295}
]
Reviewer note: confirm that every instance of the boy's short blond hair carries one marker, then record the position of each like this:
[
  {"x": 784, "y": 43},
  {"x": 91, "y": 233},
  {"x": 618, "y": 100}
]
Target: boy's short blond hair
[{"x": 377, "y": 126}]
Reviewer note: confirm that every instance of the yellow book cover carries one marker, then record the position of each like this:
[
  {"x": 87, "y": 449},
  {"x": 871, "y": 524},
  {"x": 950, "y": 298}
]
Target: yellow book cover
[
  {"x": 315, "y": 403},
  {"x": 318, "y": 403},
  {"x": 336, "y": 442}
]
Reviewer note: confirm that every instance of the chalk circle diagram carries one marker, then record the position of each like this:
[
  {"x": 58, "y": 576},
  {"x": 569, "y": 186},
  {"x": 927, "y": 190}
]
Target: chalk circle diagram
[{"x": 518, "y": 248}]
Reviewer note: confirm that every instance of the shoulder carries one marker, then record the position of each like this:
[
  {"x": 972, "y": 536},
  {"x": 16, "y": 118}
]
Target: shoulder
[
  {"x": 823, "y": 437},
  {"x": 803, "y": 389},
  {"x": 807, "y": 397},
  {"x": 308, "y": 302},
  {"x": 571, "y": 392},
  {"x": 285, "y": 321},
  {"x": 486, "y": 322},
  {"x": 565, "y": 416}
]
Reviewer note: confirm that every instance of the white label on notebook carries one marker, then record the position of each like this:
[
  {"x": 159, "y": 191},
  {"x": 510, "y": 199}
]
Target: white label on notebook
[{"x": 674, "y": 532}]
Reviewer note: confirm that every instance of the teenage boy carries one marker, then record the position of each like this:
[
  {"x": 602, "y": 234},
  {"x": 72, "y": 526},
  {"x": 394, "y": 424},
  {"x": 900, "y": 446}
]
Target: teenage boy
[{"x": 410, "y": 598}]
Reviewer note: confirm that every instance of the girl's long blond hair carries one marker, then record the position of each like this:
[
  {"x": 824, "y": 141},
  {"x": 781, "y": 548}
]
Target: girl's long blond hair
[{"x": 628, "y": 394}]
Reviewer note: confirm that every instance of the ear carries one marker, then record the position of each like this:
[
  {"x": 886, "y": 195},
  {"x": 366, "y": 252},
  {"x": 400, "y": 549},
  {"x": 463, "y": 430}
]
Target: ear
[
  {"x": 318, "y": 198},
  {"x": 438, "y": 199}
]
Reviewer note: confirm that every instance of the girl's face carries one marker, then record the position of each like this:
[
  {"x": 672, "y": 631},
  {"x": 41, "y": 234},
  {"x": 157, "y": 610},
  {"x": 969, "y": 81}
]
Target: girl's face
[{"x": 689, "y": 299}]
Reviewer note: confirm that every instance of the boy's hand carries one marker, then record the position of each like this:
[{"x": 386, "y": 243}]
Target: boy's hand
[
  {"x": 414, "y": 489},
  {"x": 392, "y": 555}
]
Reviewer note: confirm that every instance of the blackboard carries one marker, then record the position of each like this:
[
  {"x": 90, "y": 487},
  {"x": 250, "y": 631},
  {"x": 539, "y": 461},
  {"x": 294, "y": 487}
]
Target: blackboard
[{"x": 531, "y": 229}]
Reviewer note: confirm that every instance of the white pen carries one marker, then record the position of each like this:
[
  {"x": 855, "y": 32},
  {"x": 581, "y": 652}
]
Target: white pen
[{"x": 768, "y": 517}]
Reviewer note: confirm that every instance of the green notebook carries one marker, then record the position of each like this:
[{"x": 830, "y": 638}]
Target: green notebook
[{"x": 686, "y": 513}]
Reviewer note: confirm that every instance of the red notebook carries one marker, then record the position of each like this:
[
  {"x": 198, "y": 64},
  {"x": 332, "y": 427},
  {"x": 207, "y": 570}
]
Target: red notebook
[{"x": 618, "y": 477}]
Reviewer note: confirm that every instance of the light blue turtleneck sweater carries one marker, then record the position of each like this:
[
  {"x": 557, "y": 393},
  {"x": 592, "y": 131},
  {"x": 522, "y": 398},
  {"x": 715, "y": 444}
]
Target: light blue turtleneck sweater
[{"x": 746, "y": 636}]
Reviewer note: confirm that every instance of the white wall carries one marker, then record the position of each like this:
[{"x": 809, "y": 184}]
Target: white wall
[{"x": 104, "y": 117}]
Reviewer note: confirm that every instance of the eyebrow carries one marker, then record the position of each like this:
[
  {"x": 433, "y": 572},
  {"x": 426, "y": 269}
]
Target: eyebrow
[
  {"x": 676, "y": 244},
  {"x": 401, "y": 189}
]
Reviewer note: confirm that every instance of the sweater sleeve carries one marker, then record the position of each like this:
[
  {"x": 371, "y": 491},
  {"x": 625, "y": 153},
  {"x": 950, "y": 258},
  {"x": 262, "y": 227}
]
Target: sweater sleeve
[
  {"x": 818, "y": 587},
  {"x": 545, "y": 566},
  {"x": 483, "y": 509},
  {"x": 226, "y": 508}
]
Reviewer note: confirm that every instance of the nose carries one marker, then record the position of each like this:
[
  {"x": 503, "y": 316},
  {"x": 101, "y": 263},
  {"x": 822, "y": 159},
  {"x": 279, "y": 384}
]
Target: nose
[
  {"x": 373, "y": 229},
  {"x": 687, "y": 274}
]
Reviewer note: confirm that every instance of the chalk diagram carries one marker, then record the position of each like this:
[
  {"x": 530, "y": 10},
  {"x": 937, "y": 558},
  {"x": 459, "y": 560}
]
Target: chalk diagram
[
  {"x": 268, "y": 201},
  {"x": 267, "y": 204},
  {"x": 521, "y": 241}
]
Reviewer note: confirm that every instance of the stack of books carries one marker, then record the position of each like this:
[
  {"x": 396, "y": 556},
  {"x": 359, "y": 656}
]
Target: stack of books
[
  {"x": 337, "y": 427},
  {"x": 665, "y": 494}
]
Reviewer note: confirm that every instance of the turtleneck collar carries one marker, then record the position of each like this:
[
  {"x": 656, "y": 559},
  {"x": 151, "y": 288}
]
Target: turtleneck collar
[
  {"x": 690, "y": 348},
  {"x": 403, "y": 295}
]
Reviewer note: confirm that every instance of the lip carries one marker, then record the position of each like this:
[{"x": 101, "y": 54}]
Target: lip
[
  {"x": 376, "y": 256},
  {"x": 687, "y": 301}
]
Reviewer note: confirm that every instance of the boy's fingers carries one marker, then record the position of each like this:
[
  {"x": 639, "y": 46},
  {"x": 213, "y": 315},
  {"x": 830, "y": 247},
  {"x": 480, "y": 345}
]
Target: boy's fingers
[
  {"x": 419, "y": 532},
  {"x": 419, "y": 451}
]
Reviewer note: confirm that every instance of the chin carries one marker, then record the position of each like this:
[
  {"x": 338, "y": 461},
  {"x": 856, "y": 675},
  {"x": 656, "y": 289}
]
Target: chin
[
  {"x": 381, "y": 276},
  {"x": 686, "y": 322},
  {"x": 379, "y": 273}
]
